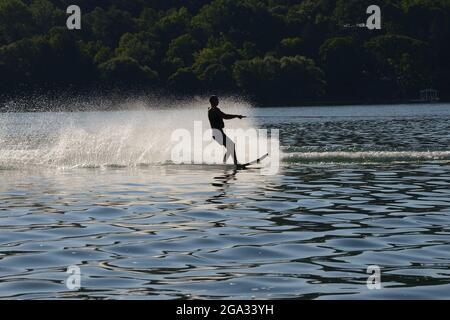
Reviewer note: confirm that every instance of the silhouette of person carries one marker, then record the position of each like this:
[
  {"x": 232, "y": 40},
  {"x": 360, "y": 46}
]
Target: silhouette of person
[{"x": 216, "y": 117}]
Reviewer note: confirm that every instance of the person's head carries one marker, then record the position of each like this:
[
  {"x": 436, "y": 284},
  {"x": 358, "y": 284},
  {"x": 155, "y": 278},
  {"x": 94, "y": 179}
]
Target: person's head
[{"x": 214, "y": 100}]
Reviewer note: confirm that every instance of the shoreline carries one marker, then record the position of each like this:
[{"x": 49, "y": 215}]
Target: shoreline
[
  {"x": 19, "y": 107},
  {"x": 331, "y": 103}
]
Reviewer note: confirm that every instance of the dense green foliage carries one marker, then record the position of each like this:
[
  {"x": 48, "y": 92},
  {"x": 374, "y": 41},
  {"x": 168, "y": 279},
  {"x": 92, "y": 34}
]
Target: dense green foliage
[{"x": 277, "y": 51}]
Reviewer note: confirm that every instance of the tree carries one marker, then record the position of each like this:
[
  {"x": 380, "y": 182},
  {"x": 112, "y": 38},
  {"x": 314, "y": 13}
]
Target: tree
[
  {"x": 241, "y": 21},
  {"x": 69, "y": 63},
  {"x": 24, "y": 62},
  {"x": 184, "y": 81},
  {"x": 344, "y": 64},
  {"x": 213, "y": 65},
  {"x": 269, "y": 78},
  {"x": 45, "y": 16},
  {"x": 173, "y": 24},
  {"x": 108, "y": 26},
  {"x": 14, "y": 15},
  {"x": 399, "y": 64},
  {"x": 291, "y": 46},
  {"x": 183, "y": 48},
  {"x": 97, "y": 51},
  {"x": 127, "y": 71},
  {"x": 351, "y": 11},
  {"x": 137, "y": 46}
]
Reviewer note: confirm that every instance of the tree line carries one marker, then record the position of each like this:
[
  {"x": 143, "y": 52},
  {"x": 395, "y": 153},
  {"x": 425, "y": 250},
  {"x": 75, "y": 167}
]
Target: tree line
[{"x": 274, "y": 51}]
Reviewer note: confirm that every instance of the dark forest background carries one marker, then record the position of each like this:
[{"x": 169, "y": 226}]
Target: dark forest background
[{"x": 274, "y": 51}]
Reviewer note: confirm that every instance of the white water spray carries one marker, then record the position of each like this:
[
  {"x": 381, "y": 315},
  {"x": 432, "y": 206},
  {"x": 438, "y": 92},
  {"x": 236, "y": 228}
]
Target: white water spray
[{"x": 139, "y": 134}]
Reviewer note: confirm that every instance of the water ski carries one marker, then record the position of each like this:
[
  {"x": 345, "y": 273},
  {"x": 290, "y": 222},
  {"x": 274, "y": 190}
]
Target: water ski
[{"x": 245, "y": 165}]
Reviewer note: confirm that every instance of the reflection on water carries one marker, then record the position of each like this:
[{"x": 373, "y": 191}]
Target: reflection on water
[
  {"x": 309, "y": 232},
  {"x": 171, "y": 231}
]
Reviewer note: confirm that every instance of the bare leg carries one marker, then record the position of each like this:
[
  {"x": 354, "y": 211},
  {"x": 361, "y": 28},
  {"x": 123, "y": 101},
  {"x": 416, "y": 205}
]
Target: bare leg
[
  {"x": 224, "y": 140},
  {"x": 231, "y": 149},
  {"x": 235, "y": 157}
]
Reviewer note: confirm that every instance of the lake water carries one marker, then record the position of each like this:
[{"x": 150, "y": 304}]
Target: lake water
[{"x": 358, "y": 186}]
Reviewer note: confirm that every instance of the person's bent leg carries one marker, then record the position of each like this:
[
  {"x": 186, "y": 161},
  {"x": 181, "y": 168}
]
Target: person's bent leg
[
  {"x": 231, "y": 149},
  {"x": 220, "y": 138}
]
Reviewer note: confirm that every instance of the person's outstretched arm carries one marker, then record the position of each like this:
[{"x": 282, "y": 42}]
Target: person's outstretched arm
[{"x": 231, "y": 116}]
